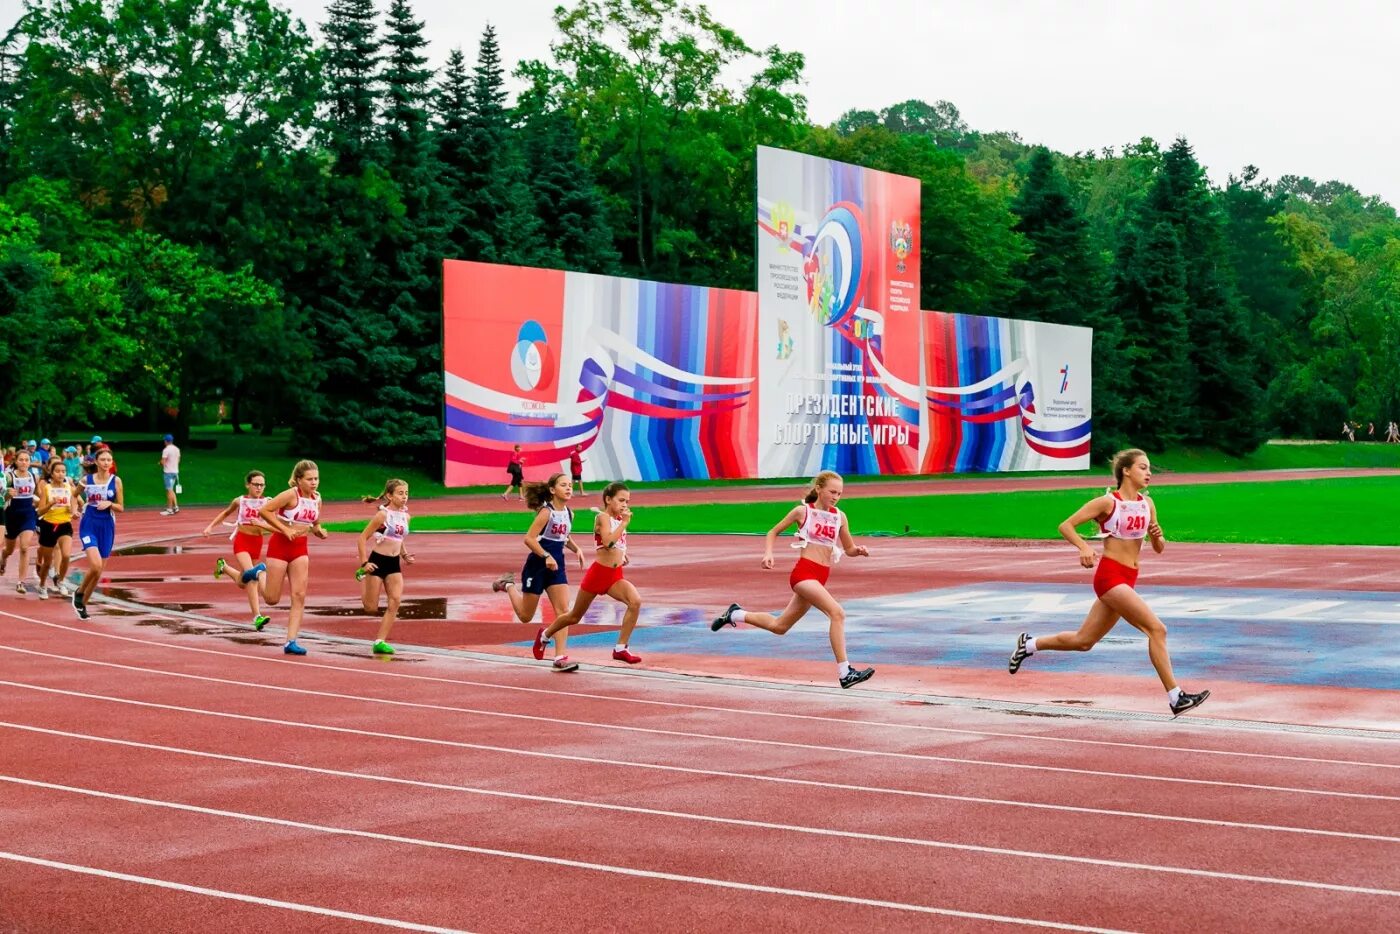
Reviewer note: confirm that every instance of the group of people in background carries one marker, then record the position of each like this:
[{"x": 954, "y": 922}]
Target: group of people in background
[{"x": 1351, "y": 429}]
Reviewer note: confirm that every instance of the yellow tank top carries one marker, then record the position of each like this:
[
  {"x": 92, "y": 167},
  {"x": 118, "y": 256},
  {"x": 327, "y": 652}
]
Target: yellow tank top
[{"x": 60, "y": 504}]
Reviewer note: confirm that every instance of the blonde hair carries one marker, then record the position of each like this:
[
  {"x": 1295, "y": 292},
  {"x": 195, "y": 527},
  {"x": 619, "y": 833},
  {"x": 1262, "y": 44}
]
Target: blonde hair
[
  {"x": 1123, "y": 460},
  {"x": 300, "y": 470},
  {"x": 819, "y": 482},
  {"x": 390, "y": 485}
]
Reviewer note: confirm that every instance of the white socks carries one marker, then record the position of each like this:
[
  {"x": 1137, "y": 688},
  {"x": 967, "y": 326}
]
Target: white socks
[
  {"x": 620, "y": 647},
  {"x": 738, "y": 616},
  {"x": 1030, "y": 646},
  {"x": 1173, "y": 694},
  {"x": 843, "y": 669}
]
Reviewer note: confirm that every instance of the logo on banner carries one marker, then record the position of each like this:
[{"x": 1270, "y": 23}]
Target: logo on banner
[
  {"x": 531, "y": 364},
  {"x": 901, "y": 242},
  {"x": 785, "y": 223},
  {"x": 1064, "y": 378}
]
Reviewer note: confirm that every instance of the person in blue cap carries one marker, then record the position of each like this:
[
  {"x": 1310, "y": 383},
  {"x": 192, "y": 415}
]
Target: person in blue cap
[
  {"x": 45, "y": 451},
  {"x": 170, "y": 472}
]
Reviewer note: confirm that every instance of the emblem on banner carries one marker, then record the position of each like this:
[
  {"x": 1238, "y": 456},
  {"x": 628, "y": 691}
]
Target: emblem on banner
[
  {"x": 784, "y": 222},
  {"x": 901, "y": 242}
]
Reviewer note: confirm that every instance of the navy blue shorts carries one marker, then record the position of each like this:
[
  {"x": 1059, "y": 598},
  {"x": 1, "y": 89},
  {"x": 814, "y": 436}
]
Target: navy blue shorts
[
  {"x": 20, "y": 519},
  {"x": 97, "y": 533},
  {"x": 535, "y": 577}
]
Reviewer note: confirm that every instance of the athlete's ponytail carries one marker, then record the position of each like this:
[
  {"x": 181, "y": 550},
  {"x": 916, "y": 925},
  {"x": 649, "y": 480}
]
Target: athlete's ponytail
[
  {"x": 390, "y": 487},
  {"x": 537, "y": 495},
  {"x": 819, "y": 482}
]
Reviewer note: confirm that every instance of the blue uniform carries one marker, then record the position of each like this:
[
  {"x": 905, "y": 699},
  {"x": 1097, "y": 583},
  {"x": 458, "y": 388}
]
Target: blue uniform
[
  {"x": 535, "y": 577},
  {"x": 99, "y": 526}
]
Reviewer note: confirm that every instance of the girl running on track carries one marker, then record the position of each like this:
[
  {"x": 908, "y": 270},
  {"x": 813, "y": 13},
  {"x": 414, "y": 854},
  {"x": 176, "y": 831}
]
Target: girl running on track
[
  {"x": 1127, "y": 516},
  {"x": 546, "y": 540},
  {"x": 389, "y": 528},
  {"x": 516, "y": 469},
  {"x": 103, "y": 499},
  {"x": 57, "y": 504},
  {"x": 248, "y": 534},
  {"x": 604, "y": 577},
  {"x": 22, "y": 482},
  {"x": 822, "y": 529},
  {"x": 292, "y": 515}
]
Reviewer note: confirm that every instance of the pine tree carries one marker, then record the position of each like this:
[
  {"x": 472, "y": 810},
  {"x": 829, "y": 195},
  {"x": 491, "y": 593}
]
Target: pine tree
[
  {"x": 570, "y": 206},
  {"x": 1063, "y": 282},
  {"x": 1223, "y": 359},
  {"x": 352, "y": 59},
  {"x": 1149, "y": 298}
]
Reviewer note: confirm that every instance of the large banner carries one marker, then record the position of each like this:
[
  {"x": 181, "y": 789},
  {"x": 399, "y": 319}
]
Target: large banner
[
  {"x": 840, "y": 354},
  {"x": 649, "y": 381},
  {"x": 1006, "y": 394}
]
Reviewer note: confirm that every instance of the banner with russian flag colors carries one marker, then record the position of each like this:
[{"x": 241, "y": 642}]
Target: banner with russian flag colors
[
  {"x": 838, "y": 318},
  {"x": 1004, "y": 394},
  {"x": 645, "y": 380}
]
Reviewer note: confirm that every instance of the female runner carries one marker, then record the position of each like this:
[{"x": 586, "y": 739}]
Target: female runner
[
  {"x": 389, "y": 528},
  {"x": 820, "y": 527},
  {"x": 248, "y": 534},
  {"x": 603, "y": 577},
  {"x": 546, "y": 540},
  {"x": 292, "y": 515},
  {"x": 21, "y": 518},
  {"x": 1127, "y": 517},
  {"x": 103, "y": 498},
  {"x": 57, "y": 503}
]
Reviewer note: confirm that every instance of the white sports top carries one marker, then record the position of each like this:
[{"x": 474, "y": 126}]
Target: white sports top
[
  {"x": 24, "y": 483},
  {"x": 620, "y": 544},
  {"x": 306, "y": 511},
  {"x": 249, "y": 508},
  {"x": 395, "y": 526},
  {"x": 819, "y": 527},
  {"x": 1129, "y": 519},
  {"x": 560, "y": 524}
]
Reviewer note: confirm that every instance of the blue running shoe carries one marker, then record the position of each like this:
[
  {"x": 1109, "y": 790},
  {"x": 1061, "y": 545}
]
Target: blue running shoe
[
  {"x": 252, "y": 573},
  {"x": 291, "y": 648}
]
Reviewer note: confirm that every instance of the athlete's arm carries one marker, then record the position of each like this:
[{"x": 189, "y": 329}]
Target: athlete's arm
[
  {"x": 42, "y": 505},
  {"x": 573, "y": 546},
  {"x": 372, "y": 526},
  {"x": 268, "y": 512},
  {"x": 532, "y": 538},
  {"x": 1154, "y": 531},
  {"x": 228, "y": 511},
  {"x": 848, "y": 544},
  {"x": 610, "y": 535},
  {"x": 1096, "y": 508},
  {"x": 118, "y": 504},
  {"x": 794, "y": 515}
]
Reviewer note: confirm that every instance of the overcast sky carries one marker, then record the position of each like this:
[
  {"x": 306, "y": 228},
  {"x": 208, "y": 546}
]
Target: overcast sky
[{"x": 1292, "y": 86}]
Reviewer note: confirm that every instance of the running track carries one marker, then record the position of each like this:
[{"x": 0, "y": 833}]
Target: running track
[{"x": 165, "y": 773}]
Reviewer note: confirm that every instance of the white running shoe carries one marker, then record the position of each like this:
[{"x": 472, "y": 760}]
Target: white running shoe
[
  {"x": 20, "y": 588},
  {"x": 43, "y": 592}
]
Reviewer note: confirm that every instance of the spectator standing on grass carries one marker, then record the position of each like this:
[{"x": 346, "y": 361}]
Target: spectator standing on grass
[
  {"x": 170, "y": 473},
  {"x": 1371, "y": 430},
  {"x": 1392, "y": 433},
  {"x": 1347, "y": 431}
]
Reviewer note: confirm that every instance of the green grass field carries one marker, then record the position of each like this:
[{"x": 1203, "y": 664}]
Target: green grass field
[{"x": 1361, "y": 511}]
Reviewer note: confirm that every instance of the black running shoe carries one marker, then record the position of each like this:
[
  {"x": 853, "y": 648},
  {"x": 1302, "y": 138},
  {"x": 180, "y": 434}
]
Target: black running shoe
[
  {"x": 1185, "y": 702},
  {"x": 856, "y": 675},
  {"x": 1020, "y": 655},
  {"x": 725, "y": 618},
  {"x": 79, "y": 606}
]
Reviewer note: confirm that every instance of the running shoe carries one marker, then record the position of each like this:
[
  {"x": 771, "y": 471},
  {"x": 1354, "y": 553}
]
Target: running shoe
[
  {"x": 856, "y": 675},
  {"x": 1020, "y": 655},
  {"x": 622, "y": 655},
  {"x": 383, "y": 648},
  {"x": 291, "y": 648},
  {"x": 219, "y": 568},
  {"x": 502, "y": 582},
  {"x": 260, "y": 621},
  {"x": 1185, "y": 702},
  {"x": 167, "y": 512},
  {"x": 42, "y": 591},
  {"x": 79, "y": 606},
  {"x": 64, "y": 587},
  {"x": 562, "y": 664},
  {"x": 725, "y": 618},
  {"x": 21, "y": 588},
  {"x": 537, "y": 649},
  {"x": 252, "y": 573}
]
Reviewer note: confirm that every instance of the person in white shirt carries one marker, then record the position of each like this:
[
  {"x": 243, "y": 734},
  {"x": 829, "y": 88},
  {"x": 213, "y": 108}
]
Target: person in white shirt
[{"x": 170, "y": 470}]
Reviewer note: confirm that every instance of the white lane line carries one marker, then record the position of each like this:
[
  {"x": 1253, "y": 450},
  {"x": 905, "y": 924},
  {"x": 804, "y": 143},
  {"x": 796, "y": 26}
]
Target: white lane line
[
  {"x": 705, "y": 707},
  {"x": 463, "y": 745},
  {"x": 605, "y": 867},
  {"x": 220, "y": 893},
  {"x": 656, "y": 731},
  {"x": 631, "y": 809},
  {"x": 571, "y": 863}
]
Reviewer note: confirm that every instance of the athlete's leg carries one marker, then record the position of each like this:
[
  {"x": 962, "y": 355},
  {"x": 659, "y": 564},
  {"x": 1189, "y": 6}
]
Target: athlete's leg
[{"x": 1126, "y": 602}]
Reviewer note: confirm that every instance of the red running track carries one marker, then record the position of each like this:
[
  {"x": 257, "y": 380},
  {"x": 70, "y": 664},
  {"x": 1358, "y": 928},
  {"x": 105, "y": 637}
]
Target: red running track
[{"x": 179, "y": 781}]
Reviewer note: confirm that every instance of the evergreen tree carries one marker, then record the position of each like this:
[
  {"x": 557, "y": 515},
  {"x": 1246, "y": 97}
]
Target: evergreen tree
[
  {"x": 352, "y": 59},
  {"x": 1062, "y": 281},
  {"x": 1223, "y": 359},
  {"x": 1149, "y": 298},
  {"x": 571, "y": 208}
]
